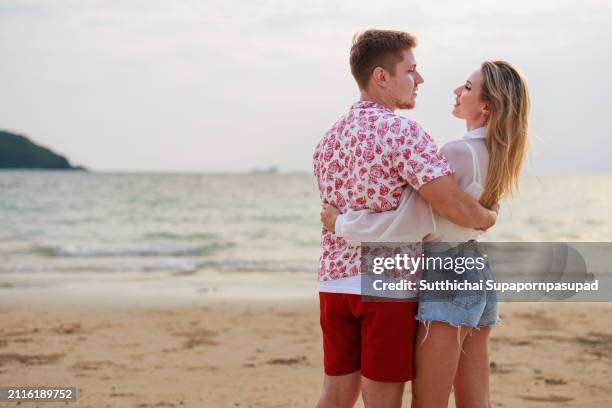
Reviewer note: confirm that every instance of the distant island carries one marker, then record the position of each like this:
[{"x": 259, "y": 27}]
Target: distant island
[{"x": 19, "y": 152}]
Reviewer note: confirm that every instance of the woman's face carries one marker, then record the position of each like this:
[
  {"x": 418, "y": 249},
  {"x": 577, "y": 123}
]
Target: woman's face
[{"x": 468, "y": 105}]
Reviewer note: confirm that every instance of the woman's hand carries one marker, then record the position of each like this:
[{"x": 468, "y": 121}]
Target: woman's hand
[{"x": 329, "y": 213}]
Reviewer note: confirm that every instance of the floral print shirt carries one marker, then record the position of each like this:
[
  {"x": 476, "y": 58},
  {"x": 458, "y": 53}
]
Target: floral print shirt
[{"x": 365, "y": 161}]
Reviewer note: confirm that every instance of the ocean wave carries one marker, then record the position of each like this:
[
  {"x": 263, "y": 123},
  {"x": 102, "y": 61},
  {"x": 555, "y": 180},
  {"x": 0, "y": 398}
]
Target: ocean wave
[
  {"x": 253, "y": 265},
  {"x": 174, "y": 265},
  {"x": 87, "y": 251},
  {"x": 171, "y": 236}
]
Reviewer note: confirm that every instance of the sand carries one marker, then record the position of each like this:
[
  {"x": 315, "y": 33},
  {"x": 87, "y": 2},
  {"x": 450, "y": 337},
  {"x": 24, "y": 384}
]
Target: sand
[{"x": 240, "y": 352}]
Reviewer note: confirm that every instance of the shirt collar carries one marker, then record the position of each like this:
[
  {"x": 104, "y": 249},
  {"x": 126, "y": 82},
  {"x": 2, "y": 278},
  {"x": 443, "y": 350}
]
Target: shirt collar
[
  {"x": 478, "y": 133},
  {"x": 369, "y": 105}
]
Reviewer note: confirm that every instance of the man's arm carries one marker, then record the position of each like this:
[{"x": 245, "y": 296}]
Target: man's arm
[{"x": 451, "y": 202}]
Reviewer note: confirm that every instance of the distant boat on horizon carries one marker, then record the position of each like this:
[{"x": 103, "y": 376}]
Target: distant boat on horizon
[{"x": 268, "y": 170}]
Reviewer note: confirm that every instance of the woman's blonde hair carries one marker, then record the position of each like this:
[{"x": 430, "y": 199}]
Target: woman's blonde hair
[{"x": 505, "y": 90}]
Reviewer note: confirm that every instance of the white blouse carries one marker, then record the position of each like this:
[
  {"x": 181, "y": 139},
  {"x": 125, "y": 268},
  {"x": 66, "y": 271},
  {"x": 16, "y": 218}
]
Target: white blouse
[{"x": 414, "y": 220}]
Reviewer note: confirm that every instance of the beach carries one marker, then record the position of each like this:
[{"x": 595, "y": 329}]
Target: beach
[
  {"x": 148, "y": 290},
  {"x": 132, "y": 343}
]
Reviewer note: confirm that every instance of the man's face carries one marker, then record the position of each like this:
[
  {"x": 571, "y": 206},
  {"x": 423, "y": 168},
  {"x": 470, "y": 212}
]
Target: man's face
[{"x": 403, "y": 85}]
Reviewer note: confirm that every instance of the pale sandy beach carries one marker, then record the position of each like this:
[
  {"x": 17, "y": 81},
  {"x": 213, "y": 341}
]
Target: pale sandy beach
[{"x": 135, "y": 343}]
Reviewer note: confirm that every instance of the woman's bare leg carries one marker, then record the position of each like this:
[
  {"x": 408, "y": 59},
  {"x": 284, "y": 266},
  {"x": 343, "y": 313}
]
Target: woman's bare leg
[
  {"x": 472, "y": 379},
  {"x": 437, "y": 355}
]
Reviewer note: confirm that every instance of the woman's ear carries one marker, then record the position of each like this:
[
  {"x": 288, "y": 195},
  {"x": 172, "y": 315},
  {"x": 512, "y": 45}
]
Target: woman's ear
[{"x": 486, "y": 111}]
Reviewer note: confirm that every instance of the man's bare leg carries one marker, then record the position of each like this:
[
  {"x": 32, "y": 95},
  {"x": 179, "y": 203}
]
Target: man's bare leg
[
  {"x": 380, "y": 394},
  {"x": 340, "y": 391}
]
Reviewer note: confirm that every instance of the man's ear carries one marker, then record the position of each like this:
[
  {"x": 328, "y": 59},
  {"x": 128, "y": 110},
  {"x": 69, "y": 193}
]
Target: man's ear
[{"x": 380, "y": 76}]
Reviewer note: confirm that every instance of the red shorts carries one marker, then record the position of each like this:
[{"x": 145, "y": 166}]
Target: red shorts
[{"x": 374, "y": 337}]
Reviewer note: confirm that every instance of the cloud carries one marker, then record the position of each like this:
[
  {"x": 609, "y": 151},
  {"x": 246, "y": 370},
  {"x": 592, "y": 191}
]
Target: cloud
[{"x": 232, "y": 85}]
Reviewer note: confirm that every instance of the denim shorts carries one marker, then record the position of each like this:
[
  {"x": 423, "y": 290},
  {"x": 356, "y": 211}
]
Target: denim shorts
[{"x": 474, "y": 307}]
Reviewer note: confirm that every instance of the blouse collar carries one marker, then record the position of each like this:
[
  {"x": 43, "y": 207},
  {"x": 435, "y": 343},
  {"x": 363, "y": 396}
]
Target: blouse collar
[{"x": 478, "y": 133}]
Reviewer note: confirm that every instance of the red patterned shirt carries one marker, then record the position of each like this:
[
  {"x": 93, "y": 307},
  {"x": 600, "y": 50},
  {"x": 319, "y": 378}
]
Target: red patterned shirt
[{"x": 364, "y": 162}]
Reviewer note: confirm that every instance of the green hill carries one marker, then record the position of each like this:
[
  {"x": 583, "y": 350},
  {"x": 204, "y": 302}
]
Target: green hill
[{"x": 18, "y": 152}]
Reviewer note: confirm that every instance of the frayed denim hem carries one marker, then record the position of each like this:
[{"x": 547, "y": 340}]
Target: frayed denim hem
[
  {"x": 497, "y": 322},
  {"x": 427, "y": 323}
]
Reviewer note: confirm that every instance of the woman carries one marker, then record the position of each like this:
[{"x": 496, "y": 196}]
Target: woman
[{"x": 494, "y": 102}]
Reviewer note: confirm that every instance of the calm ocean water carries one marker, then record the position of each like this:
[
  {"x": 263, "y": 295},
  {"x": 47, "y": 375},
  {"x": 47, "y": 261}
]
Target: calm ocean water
[{"x": 97, "y": 222}]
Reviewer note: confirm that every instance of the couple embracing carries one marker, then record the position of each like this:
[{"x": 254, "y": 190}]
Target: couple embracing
[{"x": 381, "y": 177}]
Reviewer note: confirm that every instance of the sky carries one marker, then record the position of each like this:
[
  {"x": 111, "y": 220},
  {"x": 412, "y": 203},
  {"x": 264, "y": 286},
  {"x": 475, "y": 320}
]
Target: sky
[{"x": 230, "y": 86}]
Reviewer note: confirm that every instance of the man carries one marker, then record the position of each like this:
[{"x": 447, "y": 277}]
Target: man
[{"x": 365, "y": 161}]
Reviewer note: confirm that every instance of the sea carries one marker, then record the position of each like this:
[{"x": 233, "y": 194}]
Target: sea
[{"x": 111, "y": 223}]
